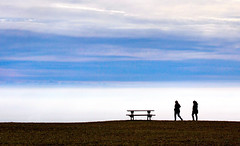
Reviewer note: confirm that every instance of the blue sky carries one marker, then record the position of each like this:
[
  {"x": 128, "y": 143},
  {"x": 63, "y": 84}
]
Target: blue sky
[{"x": 69, "y": 42}]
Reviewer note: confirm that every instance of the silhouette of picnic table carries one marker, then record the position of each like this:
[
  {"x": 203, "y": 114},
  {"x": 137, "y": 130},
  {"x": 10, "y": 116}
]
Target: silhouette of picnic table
[{"x": 148, "y": 114}]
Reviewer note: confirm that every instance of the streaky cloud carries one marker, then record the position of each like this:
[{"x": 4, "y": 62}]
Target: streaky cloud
[{"x": 145, "y": 54}]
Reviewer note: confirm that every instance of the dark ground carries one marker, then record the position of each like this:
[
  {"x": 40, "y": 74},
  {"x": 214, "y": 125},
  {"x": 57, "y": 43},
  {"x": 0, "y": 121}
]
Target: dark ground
[{"x": 121, "y": 133}]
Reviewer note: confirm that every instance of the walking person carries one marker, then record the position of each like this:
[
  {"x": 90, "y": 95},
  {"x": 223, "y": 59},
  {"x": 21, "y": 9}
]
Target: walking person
[
  {"x": 177, "y": 110},
  {"x": 195, "y": 110}
]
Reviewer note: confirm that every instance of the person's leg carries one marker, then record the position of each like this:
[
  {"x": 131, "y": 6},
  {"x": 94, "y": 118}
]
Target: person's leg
[
  {"x": 192, "y": 116},
  {"x": 196, "y": 116},
  {"x": 180, "y": 116},
  {"x": 175, "y": 116}
]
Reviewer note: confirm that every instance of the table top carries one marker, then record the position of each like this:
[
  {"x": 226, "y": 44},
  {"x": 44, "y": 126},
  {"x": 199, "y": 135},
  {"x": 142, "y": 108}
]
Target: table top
[
  {"x": 141, "y": 115},
  {"x": 139, "y": 110}
]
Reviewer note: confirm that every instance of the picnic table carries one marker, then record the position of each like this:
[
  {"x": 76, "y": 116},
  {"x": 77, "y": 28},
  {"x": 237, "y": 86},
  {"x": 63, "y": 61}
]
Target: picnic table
[{"x": 148, "y": 114}]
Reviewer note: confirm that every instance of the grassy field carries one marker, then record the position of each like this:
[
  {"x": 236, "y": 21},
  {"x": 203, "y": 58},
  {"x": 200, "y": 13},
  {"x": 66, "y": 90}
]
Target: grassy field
[{"x": 121, "y": 133}]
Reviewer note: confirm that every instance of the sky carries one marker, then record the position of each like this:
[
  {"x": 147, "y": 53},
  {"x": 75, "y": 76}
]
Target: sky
[
  {"x": 121, "y": 44},
  {"x": 68, "y": 42}
]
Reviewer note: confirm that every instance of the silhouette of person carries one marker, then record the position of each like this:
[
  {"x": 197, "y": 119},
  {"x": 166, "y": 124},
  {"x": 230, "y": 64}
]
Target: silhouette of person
[
  {"x": 177, "y": 110},
  {"x": 195, "y": 110}
]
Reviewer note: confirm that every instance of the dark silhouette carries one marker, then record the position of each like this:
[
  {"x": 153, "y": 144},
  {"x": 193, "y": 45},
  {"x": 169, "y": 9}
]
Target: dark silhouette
[
  {"x": 195, "y": 110},
  {"x": 177, "y": 110}
]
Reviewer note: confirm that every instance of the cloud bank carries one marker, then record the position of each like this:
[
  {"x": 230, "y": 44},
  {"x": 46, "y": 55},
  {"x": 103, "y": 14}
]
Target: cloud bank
[{"x": 111, "y": 18}]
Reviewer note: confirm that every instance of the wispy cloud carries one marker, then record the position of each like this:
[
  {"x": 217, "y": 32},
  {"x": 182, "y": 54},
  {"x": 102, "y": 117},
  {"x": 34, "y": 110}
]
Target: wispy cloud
[
  {"x": 86, "y": 8},
  {"x": 5, "y": 72}
]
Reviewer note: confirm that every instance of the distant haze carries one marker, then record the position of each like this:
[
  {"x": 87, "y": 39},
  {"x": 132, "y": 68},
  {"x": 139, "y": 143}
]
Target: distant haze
[{"x": 99, "y": 104}]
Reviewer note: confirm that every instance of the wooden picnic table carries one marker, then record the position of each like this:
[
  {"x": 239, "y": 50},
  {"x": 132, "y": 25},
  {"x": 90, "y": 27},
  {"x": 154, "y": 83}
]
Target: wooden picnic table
[{"x": 148, "y": 114}]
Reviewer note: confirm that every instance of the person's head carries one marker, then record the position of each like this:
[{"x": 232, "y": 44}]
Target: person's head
[
  {"x": 194, "y": 102},
  {"x": 176, "y": 101}
]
